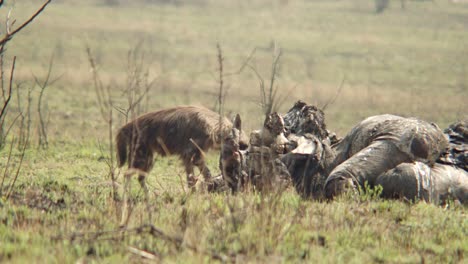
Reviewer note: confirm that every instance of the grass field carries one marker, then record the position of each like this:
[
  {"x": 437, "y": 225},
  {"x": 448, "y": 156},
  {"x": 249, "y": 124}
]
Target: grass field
[{"x": 411, "y": 62}]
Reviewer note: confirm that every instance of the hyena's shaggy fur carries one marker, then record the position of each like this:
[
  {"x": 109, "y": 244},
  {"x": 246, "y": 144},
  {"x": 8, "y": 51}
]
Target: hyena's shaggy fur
[{"x": 186, "y": 131}]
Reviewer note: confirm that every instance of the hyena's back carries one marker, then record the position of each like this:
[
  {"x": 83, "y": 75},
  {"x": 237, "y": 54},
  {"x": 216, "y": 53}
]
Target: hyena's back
[{"x": 169, "y": 131}]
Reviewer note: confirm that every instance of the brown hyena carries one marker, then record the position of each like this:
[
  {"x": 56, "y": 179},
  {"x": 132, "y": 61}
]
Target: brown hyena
[{"x": 185, "y": 131}]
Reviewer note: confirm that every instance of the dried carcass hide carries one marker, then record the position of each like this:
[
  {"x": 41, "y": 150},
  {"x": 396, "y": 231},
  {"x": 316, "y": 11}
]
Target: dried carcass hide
[
  {"x": 308, "y": 164},
  {"x": 378, "y": 144},
  {"x": 303, "y": 118},
  {"x": 309, "y": 149},
  {"x": 395, "y": 152},
  {"x": 417, "y": 180},
  {"x": 457, "y": 152}
]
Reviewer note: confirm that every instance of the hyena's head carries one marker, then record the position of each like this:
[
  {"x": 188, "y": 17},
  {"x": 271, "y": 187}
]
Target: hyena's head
[
  {"x": 232, "y": 159},
  {"x": 239, "y": 134}
]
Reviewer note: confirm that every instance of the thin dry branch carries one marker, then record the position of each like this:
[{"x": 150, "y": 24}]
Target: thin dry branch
[
  {"x": 338, "y": 92},
  {"x": 7, "y": 166},
  {"x": 221, "y": 92},
  {"x": 105, "y": 105},
  {"x": 43, "y": 141},
  {"x": 9, "y": 33},
  {"x": 272, "y": 91},
  {"x": 18, "y": 169},
  {"x": 7, "y": 101},
  {"x": 138, "y": 83},
  {"x": 99, "y": 87},
  {"x": 268, "y": 96},
  {"x": 143, "y": 253},
  {"x": 245, "y": 64}
]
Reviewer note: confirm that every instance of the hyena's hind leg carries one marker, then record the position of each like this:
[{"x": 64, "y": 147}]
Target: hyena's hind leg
[{"x": 141, "y": 162}]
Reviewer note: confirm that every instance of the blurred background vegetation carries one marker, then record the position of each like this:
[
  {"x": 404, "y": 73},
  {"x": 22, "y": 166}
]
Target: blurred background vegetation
[{"x": 408, "y": 58}]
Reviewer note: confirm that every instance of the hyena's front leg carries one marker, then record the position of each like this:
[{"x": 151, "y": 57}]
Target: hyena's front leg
[
  {"x": 194, "y": 157},
  {"x": 204, "y": 170},
  {"x": 199, "y": 161},
  {"x": 126, "y": 207},
  {"x": 140, "y": 163},
  {"x": 189, "y": 170}
]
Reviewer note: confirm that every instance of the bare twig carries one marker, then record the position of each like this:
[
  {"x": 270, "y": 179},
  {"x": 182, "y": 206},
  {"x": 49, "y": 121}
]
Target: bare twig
[
  {"x": 43, "y": 141},
  {"x": 13, "y": 123},
  {"x": 272, "y": 91},
  {"x": 221, "y": 92},
  {"x": 18, "y": 169},
  {"x": 268, "y": 96},
  {"x": 143, "y": 253},
  {"x": 21, "y": 134},
  {"x": 245, "y": 64},
  {"x": 338, "y": 92},
  {"x": 7, "y": 166},
  {"x": 98, "y": 86},
  {"x": 105, "y": 105},
  {"x": 9, "y": 33},
  {"x": 7, "y": 100},
  {"x": 138, "y": 83}
]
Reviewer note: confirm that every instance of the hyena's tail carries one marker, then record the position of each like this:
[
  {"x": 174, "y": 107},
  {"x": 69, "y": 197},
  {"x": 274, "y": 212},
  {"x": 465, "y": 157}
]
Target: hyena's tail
[{"x": 122, "y": 141}]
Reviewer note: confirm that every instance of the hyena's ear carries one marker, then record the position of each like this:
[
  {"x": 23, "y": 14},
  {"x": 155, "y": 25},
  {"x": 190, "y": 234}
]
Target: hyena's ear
[{"x": 238, "y": 122}]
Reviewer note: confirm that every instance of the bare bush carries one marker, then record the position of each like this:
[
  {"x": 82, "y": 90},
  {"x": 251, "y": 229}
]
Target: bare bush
[
  {"x": 41, "y": 111},
  {"x": 14, "y": 162},
  {"x": 137, "y": 85},
  {"x": 269, "y": 100},
  {"x": 105, "y": 102}
]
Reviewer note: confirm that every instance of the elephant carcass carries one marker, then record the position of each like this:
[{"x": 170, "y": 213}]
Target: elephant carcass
[
  {"x": 378, "y": 144},
  {"x": 418, "y": 181}
]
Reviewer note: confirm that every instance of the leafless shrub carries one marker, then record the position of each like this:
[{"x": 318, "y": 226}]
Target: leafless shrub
[
  {"x": 43, "y": 119},
  {"x": 24, "y": 109},
  {"x": 14, "y": 162},
  {"x": 269, "y": 100},
  {"x": 12, "y": 168},
  {"x": 6, "y": 96},
  {"x": 137, "y": 85},
  {"x": 105, "y": 103}
]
